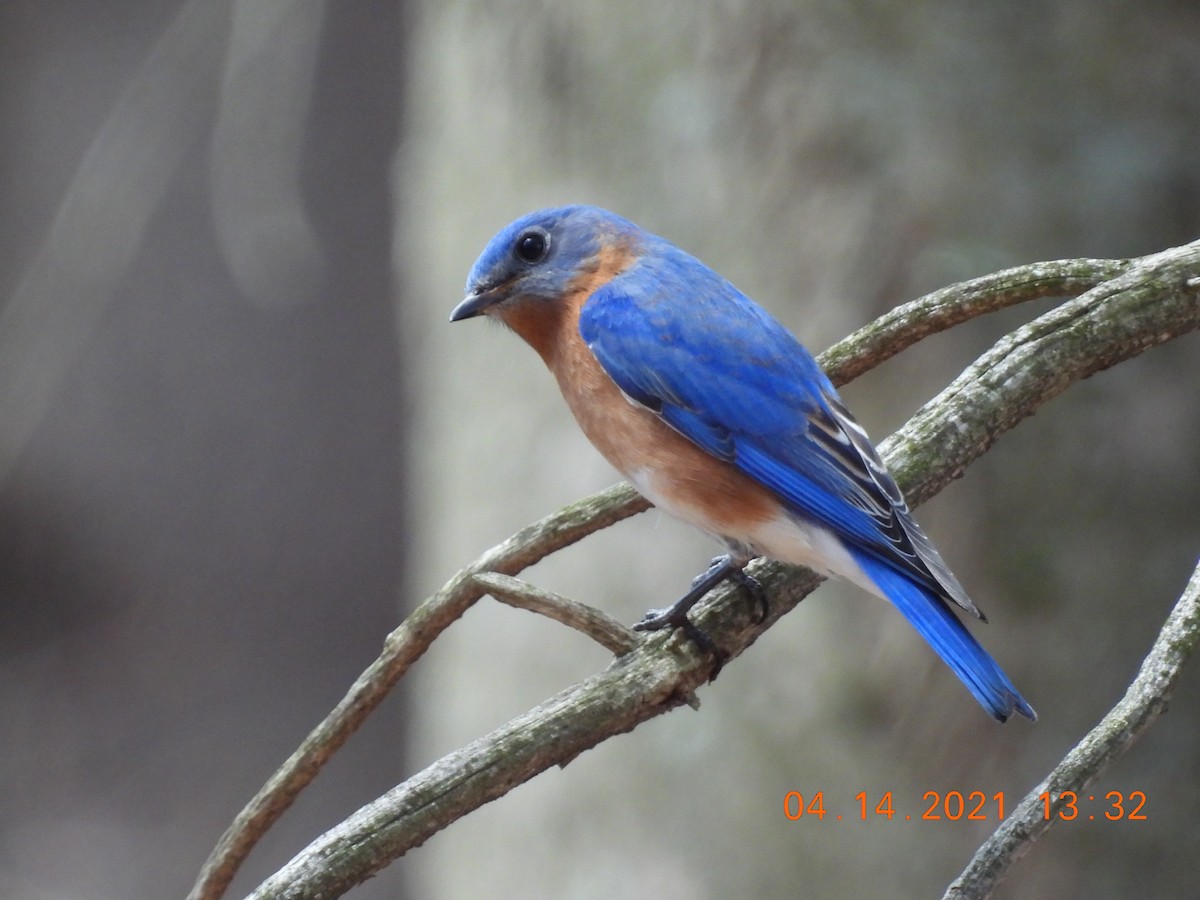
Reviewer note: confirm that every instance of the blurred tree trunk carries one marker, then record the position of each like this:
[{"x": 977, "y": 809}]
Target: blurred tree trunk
[{"x": 201, "y": 521}]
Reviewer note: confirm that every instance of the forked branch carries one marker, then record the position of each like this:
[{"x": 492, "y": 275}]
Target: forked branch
[{"x": 1124, "y": 308}]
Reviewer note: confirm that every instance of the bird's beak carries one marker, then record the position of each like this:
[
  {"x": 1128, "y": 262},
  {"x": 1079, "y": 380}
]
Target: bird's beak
[{"x": 473, "y": 305}]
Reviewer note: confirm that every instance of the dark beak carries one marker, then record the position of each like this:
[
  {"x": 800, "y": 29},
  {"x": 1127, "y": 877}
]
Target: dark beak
[{"x": 473, "y": 305}]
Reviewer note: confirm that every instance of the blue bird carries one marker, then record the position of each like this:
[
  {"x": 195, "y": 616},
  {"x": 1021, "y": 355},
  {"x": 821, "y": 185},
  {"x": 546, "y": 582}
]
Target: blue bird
[{"x": 718, "y": 415}]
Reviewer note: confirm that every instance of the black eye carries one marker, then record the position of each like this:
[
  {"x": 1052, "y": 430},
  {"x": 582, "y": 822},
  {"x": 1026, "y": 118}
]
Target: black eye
[{"x": 532, "y": 245}]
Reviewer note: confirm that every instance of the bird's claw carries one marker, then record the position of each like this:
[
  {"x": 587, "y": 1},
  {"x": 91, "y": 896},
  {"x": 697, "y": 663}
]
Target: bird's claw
[
  {"x": 676, "y": 615},
  {"x": 659, "y": 619}
]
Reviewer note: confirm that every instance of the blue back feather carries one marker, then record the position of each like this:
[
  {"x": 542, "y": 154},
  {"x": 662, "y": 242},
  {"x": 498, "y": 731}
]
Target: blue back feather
[{"x": 678, "y": 338}]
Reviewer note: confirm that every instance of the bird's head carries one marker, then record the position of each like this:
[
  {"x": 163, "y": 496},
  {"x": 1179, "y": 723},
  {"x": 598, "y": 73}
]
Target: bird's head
[{"x": 543, "y": 258}]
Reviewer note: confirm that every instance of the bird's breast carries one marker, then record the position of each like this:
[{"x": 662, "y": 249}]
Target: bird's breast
[
  {"x": 667, "y": 468},
  {"x": 675, "y": 474}
]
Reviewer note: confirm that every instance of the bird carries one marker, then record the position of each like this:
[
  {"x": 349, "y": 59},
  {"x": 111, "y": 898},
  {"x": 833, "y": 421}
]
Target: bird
[{"x": 718, "y": 415}]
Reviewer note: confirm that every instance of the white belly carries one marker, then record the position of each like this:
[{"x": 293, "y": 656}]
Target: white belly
[{"x": 781, "y": 537}]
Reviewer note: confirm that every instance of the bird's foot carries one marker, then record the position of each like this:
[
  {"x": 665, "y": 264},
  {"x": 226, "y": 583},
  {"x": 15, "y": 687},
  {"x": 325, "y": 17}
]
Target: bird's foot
[{"x": 676, "y": 615}]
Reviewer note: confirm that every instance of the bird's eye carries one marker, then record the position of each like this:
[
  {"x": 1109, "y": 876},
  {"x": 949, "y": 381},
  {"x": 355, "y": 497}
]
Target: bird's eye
[{"x": 532, "y": 245}]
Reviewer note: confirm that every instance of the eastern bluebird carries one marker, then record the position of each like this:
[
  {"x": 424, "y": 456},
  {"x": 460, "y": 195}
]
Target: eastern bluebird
[{"x": 718, "y": 415}]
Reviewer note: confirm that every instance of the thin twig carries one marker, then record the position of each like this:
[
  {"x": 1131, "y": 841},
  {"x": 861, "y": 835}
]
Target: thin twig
[
  {"x": 599, "y": 626},
  {"x": 1146, "y": 698},
  {"x": 898, "y": 329}
]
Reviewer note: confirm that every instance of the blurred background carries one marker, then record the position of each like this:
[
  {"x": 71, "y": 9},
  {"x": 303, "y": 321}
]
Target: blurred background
[{"x": 240, "y": 439}]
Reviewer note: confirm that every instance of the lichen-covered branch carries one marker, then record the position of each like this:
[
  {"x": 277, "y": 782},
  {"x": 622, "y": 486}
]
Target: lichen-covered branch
[
  {"x": 1146, "y": 698},
  {"x": 1127, "y": 308},
  {"x": 401, "y": 649},
  {"x": 599, "y": 626},
  {"x": 897, "y": 330}
]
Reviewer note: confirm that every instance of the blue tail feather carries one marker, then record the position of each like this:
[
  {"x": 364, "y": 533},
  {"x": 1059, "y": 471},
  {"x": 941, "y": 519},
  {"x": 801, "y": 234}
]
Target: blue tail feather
[{"x": 938, "y": 624}]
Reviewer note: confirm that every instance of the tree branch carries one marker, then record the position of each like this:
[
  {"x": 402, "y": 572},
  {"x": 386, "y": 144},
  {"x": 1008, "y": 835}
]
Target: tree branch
[
  {"x": 1146, "y": 698},
  {"x": 1148, "y": 302},
  {"x": 1152, "y": 301},
  {"x": 897, "y": 330},
  {"x": 401, "y": 649},
  {"x": 599, "y": 626}
]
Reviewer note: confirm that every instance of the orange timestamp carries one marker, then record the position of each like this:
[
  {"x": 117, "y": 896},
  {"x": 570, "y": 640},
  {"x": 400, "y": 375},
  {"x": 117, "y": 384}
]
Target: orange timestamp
[
  {"x": 1115, "y": 806},
  {"x": 971, "y": 806}
]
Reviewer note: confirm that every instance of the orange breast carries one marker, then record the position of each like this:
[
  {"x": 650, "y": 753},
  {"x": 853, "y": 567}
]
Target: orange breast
[{"x": 670, "y": 470}]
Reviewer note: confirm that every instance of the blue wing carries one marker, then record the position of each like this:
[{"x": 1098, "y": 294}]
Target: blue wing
[
  {"x": 679, "y": 339},
  {"x": 684, "y": 342}
]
